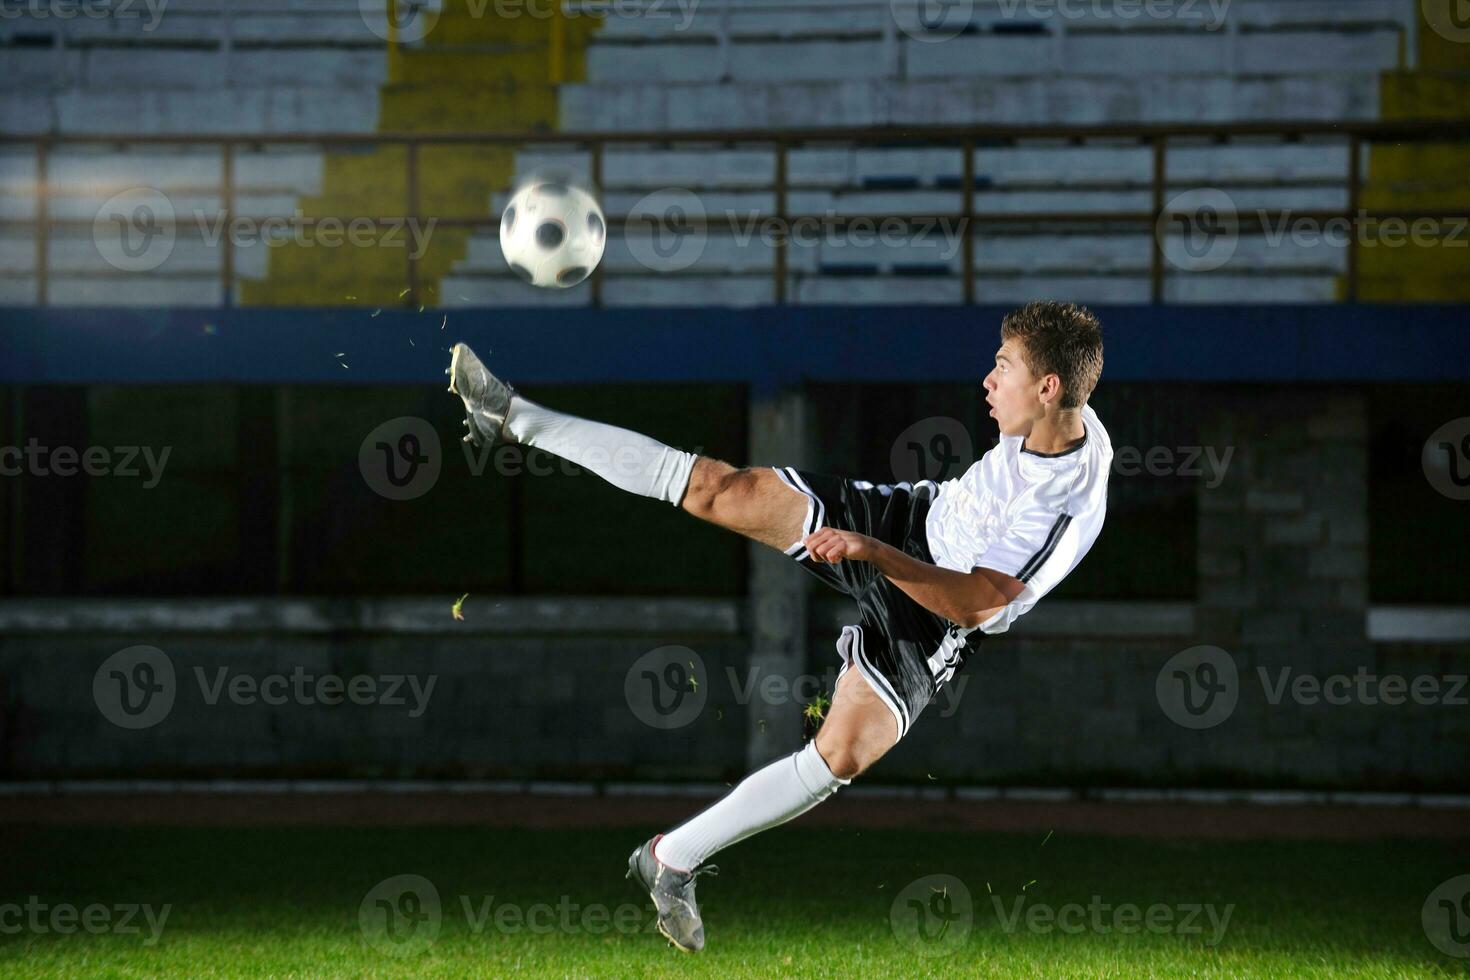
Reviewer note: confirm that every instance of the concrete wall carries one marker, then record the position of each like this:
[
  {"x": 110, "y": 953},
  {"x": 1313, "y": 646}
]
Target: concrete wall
[{"x": 1071, "y": 698}]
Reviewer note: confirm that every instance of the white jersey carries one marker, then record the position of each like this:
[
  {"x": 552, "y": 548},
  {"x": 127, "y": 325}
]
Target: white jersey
[{"x": 1024, "y": 514}]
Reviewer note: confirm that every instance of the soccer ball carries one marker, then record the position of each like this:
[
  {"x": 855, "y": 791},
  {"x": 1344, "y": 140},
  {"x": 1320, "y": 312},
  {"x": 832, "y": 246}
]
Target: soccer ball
[{"x": 552, "y": 234}]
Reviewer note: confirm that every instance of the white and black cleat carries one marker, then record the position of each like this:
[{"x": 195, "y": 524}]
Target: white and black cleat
[
  {"x": 672, "y": 892},
  {"x": 486, "y": 398}
]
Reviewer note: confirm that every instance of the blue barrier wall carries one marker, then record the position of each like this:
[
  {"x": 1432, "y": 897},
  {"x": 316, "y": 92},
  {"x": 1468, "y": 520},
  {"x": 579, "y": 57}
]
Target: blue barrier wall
[{"x": 766, "y": 347}]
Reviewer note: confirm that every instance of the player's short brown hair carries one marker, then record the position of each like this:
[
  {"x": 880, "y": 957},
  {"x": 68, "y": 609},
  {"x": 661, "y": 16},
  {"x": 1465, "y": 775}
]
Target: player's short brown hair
[{"x": 1062, "y": 339}]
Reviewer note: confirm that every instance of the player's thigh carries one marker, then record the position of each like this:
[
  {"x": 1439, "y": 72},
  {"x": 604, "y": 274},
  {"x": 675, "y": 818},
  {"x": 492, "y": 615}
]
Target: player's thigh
[
  {"x": 858, "y": 730},
  {"x": 752, "y": 501}
]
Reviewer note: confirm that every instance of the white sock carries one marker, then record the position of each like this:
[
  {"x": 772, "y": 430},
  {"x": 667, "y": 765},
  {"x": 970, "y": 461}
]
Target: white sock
[
  {"x": 627, "y": 460},
  {"x": 781, "y": 791}
]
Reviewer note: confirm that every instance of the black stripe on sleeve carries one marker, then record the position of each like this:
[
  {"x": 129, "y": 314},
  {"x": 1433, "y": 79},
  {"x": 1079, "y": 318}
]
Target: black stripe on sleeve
[{"x": 1038, "y": 559}]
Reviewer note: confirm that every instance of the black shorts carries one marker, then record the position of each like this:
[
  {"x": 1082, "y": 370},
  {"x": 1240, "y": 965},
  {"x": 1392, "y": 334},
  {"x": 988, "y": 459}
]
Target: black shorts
[{"x": 905, "y": 652}]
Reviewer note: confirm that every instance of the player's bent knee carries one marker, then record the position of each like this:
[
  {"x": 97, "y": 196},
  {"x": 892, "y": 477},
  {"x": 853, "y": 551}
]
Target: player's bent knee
[
  {"x": 709, "y": 479},
  {"x": 842, "y": 757},
  {"x": 845, "y": 765}
]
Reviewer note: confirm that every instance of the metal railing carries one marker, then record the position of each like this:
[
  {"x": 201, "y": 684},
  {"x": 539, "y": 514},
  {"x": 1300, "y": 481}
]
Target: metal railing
[{"x": 966, "y": 139}]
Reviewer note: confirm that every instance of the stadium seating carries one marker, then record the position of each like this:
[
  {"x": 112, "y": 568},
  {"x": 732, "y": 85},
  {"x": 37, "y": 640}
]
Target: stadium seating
[{"x": 301, "y": 66}]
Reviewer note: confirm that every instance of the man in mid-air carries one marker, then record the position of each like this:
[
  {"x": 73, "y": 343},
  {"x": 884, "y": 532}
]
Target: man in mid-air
[{"x": 928, "y": 564}]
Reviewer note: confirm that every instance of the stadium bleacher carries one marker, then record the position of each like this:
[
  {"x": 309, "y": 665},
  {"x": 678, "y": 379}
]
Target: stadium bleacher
[{"x": 315, "y": 66}]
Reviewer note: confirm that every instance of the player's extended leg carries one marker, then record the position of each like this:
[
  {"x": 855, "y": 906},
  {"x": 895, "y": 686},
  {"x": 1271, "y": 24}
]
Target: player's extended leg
[
  {"x": 752, "y": 502},
  {"x": 858, "y": 730}
]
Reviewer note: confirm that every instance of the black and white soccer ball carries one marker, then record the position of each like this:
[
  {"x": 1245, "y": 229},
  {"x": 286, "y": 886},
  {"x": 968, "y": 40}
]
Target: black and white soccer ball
[{"x": 552, "y": 234}]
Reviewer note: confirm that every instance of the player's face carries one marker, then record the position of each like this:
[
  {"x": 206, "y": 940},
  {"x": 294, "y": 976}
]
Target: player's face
[{"x": 1012, "y": 393}]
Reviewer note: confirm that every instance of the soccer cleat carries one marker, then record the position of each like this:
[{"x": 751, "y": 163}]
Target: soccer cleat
[
  {"x": 672, "y": 892},
  {"x": 486, "y": 398}
]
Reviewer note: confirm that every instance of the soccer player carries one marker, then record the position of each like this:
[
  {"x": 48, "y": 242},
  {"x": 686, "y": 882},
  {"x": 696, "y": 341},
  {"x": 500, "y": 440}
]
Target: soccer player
[{"x": 930, "y": 565}]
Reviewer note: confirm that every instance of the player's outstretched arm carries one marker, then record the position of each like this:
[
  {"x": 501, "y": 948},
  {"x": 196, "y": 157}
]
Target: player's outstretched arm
[{"x": 965, "y": 599}]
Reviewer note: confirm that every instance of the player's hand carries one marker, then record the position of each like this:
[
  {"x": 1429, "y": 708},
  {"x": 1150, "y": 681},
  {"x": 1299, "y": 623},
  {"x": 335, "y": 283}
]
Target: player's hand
[{"x": 831, "y": 545}]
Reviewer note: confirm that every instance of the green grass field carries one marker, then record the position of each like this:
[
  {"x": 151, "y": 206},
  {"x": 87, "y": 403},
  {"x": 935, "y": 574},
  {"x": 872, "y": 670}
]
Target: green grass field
[{"x": 793, "y": 902}]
